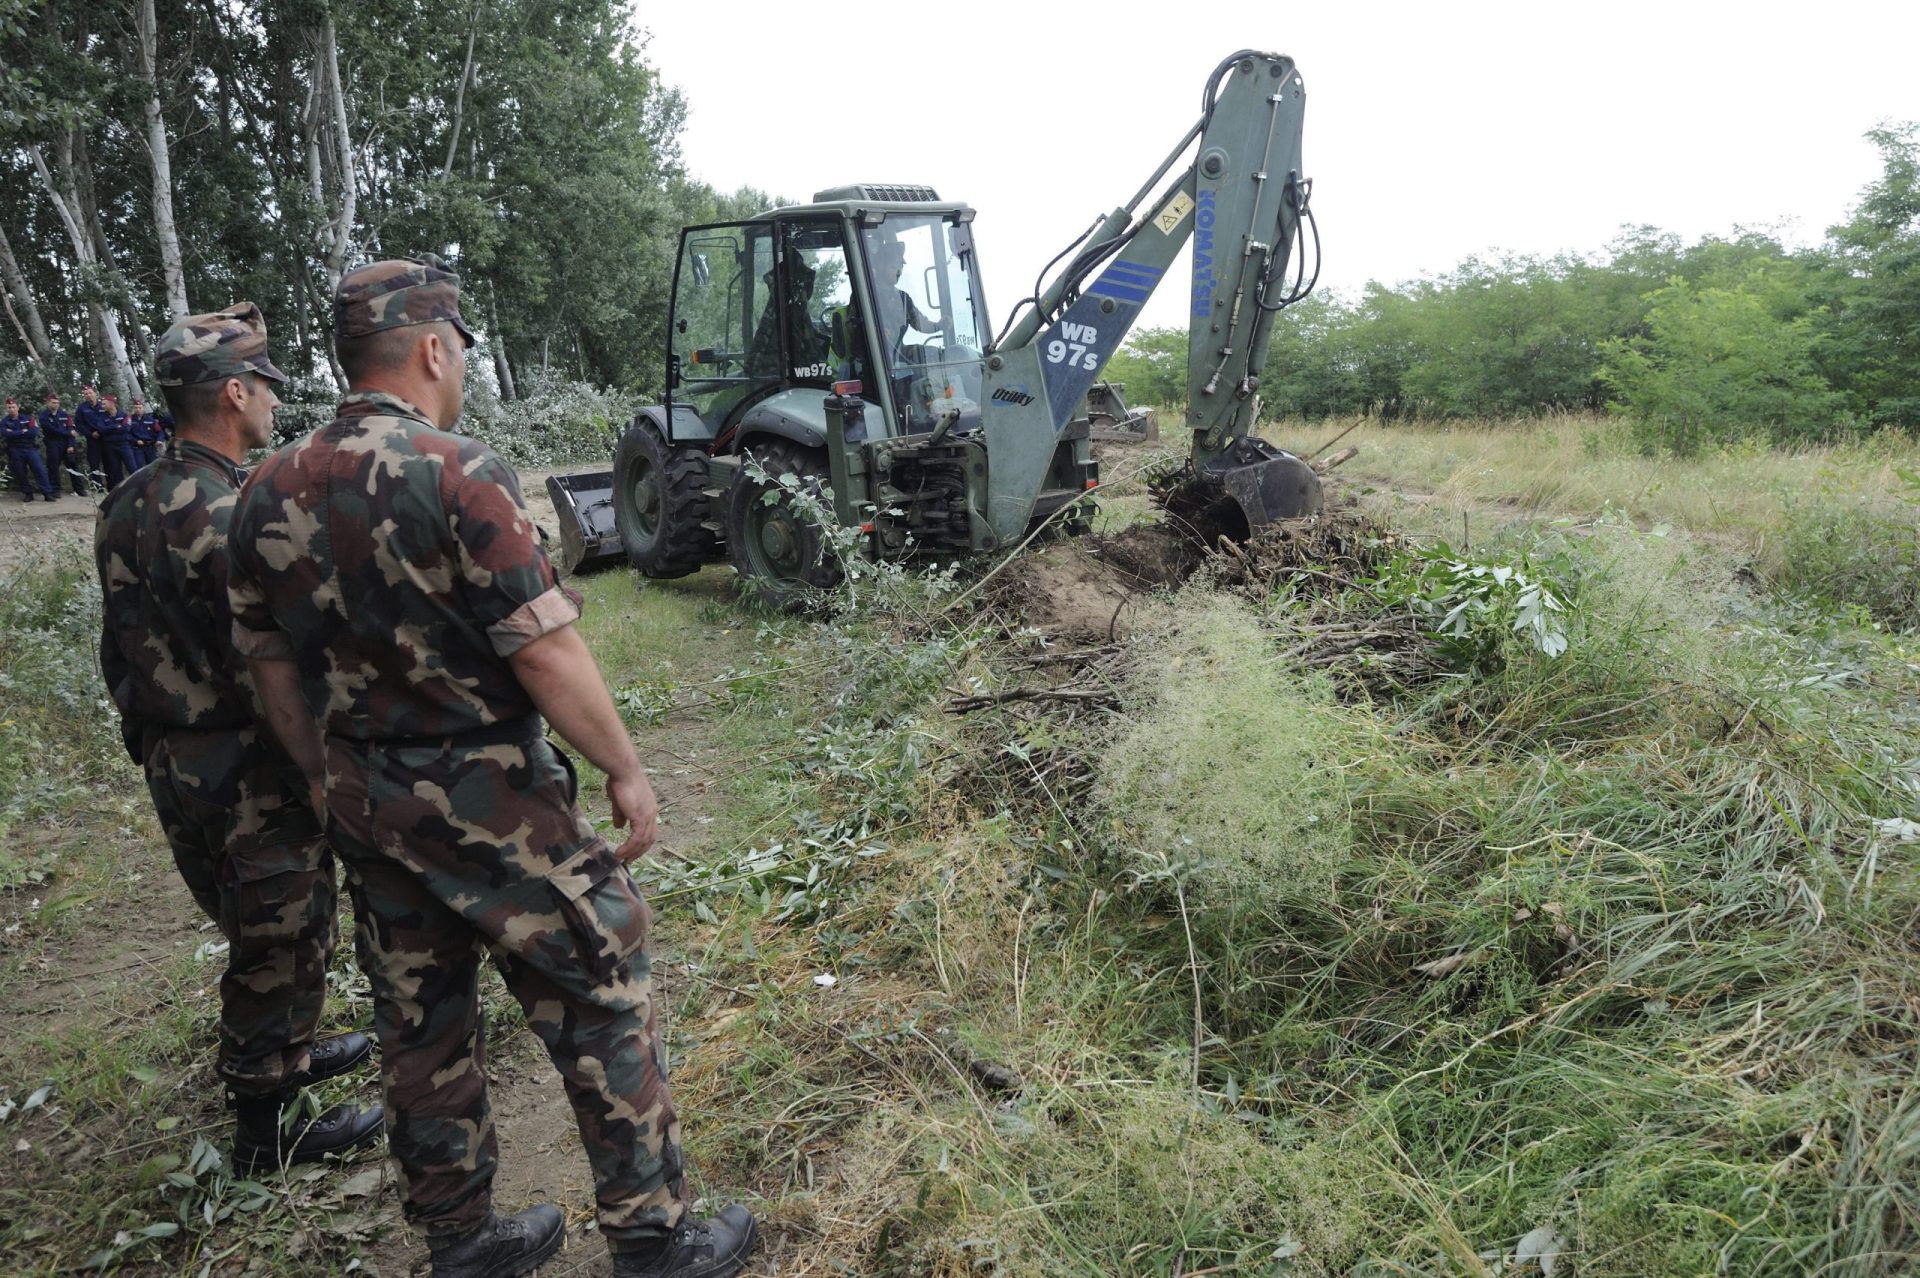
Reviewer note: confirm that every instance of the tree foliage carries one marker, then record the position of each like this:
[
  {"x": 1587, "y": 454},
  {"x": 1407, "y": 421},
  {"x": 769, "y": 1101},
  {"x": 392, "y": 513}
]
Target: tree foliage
[
  {"x": 1729, "y": 336},
  {"x": 528, "y": 141}
]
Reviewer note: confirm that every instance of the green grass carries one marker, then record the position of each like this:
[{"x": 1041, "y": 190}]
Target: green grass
[{"x": 1301, "y": 975}]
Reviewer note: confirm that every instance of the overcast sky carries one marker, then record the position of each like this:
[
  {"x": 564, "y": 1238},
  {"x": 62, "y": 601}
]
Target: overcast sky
[{"x": 1433, "y": 131}]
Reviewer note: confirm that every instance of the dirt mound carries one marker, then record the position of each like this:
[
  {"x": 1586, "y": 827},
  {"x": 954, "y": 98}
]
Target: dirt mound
[
  {"x": 1089, "y": 588},
  {"x": 1086, "y": 588}
]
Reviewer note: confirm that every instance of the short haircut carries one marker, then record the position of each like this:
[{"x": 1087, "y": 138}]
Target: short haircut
[
  {"x": 387, "y": 349},
  {"x": 197, "y": 404}
]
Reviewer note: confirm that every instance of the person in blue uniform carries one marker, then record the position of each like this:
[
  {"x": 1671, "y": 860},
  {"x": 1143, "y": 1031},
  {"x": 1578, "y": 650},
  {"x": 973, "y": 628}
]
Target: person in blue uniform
[
  {"x": 145, "y": 430},
  {"x": 87, "y": 421},
  {"x": 116, "y": 442},
  {"x": 21, "y": 435},
  {"x": 62, "y": 443}
]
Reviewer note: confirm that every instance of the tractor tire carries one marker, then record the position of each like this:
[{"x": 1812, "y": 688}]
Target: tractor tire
[
  {"x": 780, "y": 550},
  {"x": 660, "y": 504}
]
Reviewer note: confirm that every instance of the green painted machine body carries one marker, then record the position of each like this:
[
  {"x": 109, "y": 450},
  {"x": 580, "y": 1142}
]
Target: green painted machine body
[{"x": 849, "y": 337}]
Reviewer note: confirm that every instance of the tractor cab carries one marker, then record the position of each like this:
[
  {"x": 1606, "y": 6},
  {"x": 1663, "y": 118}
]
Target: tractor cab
[{"x": 869, "y": 285}]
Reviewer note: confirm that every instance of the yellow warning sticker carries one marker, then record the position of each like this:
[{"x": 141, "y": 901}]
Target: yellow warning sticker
[{"x": 1170, "y": 218}]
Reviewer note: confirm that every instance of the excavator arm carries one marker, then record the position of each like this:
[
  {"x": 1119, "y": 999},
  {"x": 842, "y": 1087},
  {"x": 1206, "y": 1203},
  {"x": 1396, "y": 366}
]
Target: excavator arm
[{"x": 1243, "y": 202}]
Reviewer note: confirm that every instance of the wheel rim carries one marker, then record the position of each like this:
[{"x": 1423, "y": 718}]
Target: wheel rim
[
  {"x": 643, "y": 498},
  {"x": 776, "y": 542}
]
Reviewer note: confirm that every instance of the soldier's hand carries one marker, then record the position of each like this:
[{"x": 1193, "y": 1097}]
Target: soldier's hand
[{"x": 635, "y": 810}]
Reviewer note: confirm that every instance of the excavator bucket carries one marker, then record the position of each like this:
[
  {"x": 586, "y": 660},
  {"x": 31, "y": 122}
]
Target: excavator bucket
[
  {"x": 583, "y": 507},
  {"x": 1242, "y": 490}
]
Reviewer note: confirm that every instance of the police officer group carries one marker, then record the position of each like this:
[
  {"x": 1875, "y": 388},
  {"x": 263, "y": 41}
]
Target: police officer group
[
  {"x": 91, "y": 447},
  {"x": 249, "y": 643}
]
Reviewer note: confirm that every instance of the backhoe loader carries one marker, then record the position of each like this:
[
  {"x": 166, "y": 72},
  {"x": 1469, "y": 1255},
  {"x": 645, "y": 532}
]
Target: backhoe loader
[{"x": 842, "y": 348}]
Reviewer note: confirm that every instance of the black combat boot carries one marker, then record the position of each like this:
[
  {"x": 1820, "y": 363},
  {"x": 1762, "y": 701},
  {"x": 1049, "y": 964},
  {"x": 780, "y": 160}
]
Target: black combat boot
[
  {"x": 502, "y": 1247},
  {"x": 711, "y": 1247},
  {"x": 259, "y": 1144},
  {"x": 332, "y": 1057}
]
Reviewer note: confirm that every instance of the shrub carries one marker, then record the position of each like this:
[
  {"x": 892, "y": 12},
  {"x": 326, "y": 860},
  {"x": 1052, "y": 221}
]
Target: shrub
[
  {"x": 1853, "y": 548},
  {"x": 59, "y": 737},
  {"x": 555, "y": 422},
  {"x": 1718, "y": 363}
]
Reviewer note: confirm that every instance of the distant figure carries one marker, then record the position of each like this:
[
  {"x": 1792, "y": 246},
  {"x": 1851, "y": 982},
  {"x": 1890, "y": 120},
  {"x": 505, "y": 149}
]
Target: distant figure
[
  {"x": 898, "y": 311},
  {"x": 87, "y": 421},
  {"x": 116, "y": 441},
  {"x": 22, "y": 436},
  {"x": 144, "y": 432},
  {"x": 62, "y": 443},
  {"x": 236, "y": 811}
]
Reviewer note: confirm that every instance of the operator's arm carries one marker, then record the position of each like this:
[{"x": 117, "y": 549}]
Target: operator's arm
[
  {"x": 278, "y": 683},
  {"x": 560, "y": 675},
  {"x": 915, "y": 320}
]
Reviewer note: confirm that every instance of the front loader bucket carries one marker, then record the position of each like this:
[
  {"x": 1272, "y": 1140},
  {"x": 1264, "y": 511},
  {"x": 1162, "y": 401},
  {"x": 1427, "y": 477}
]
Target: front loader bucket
[
  {"x": 1245, "y": 488},
  {"x": 583, "y": 507}
]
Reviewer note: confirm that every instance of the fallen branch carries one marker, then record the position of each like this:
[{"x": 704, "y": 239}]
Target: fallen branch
[
  {"x": 967, "y": 702},
  {"x": 1340, "y": 458}
]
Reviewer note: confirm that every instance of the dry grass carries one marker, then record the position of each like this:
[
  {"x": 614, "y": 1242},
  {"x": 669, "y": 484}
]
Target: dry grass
[{"x": 1581, "y": 466}]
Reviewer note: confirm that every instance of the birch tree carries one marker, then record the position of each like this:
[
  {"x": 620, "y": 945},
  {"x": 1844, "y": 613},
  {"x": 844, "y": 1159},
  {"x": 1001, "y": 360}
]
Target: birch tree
[
  {"x": 332, "y": 183},
  {"x": 22, "y": 310},
  {"x": 161, "y": 164},
  {"x": 64, "y": 196}
]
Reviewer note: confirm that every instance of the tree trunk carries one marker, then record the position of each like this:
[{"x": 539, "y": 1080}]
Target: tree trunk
[
  {"x": 64, "y": 196},
  {"x": 163, "y": 227},
  {"x": 21, "y": 306},
  {"x": 497, "y": 342},
  {"x": 460, "y": 96},
  {"x": 330, "y": 156}
]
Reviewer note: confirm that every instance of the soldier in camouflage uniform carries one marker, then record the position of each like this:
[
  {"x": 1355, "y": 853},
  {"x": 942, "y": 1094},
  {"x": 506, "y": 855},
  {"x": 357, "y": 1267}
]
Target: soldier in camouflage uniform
[
  {"x": 235, "y": 809},
  {"x": 388, "y": 582}
]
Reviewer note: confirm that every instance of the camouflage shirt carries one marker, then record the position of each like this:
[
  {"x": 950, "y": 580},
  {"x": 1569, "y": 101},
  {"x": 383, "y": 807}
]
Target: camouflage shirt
[
  {"x": 160, "y": 544},
  {"x": 397, "y": 566}
]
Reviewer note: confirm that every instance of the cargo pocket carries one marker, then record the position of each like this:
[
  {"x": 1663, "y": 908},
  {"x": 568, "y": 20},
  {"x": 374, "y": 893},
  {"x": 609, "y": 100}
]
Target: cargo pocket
[
  {"x": 605, "y": 912},
  {"x": 280, "y": 893}
]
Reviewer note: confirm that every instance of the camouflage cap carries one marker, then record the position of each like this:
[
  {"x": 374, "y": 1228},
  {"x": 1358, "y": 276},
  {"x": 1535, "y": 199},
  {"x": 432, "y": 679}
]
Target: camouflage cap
[
  {"x": 396, "y": 293},
  {"x": 201, "y": 348}
]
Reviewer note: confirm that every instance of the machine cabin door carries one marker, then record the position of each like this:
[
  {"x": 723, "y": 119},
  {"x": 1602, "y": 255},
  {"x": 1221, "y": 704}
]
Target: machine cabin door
[
  {"x": 723, "y": 288},
  {"x": 759, "y": 307}
]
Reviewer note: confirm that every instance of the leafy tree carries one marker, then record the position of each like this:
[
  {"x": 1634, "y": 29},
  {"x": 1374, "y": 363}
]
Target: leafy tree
[
  {"x": 1153, "y": 364},
  {"x": 1875, "y": 334},
  {"x": 1718, "y": 363}
]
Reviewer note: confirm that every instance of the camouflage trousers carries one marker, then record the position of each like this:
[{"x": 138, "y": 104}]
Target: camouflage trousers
[
  {"x": 251, "y": 851},
  {"x": 457, "y": 849}
]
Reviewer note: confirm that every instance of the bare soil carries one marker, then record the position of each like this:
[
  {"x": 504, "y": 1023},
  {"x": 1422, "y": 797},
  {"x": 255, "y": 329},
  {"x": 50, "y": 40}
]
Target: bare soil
[{"x": 1089, "y": 588}]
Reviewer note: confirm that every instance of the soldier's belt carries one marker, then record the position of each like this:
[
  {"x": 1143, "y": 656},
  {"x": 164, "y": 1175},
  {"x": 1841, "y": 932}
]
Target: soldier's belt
[{"x": 521, "y": 731}]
